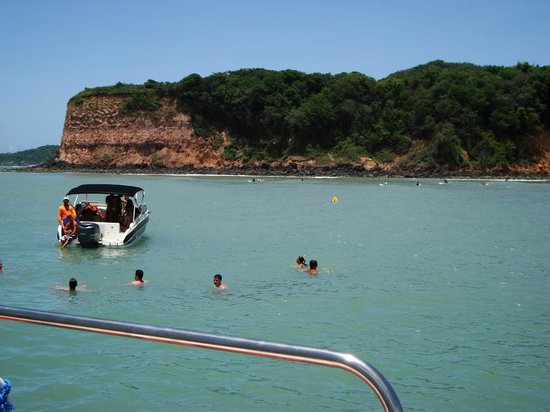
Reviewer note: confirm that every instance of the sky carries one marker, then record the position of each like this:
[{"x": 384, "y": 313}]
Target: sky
[{"x": 52, "y": 49}]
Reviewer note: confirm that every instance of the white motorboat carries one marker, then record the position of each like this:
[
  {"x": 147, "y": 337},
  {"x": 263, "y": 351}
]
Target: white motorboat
[{"x": 109, "y": 215}]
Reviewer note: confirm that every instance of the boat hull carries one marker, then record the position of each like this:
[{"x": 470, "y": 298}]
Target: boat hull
[{"x": 109, "y": 234}]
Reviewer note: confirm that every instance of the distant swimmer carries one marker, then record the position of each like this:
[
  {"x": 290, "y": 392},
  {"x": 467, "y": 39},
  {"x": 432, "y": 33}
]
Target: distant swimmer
[
  {"x": 1, "y": 266},
  {"x": 73, "y": 283},
  {"x": 301, "y": 262},
  {"x": 218, "y": 282},
  {"x": 312, "y": 267},
  {"x": 418, "y": 184},
  {"x": 138, "y": 278}
]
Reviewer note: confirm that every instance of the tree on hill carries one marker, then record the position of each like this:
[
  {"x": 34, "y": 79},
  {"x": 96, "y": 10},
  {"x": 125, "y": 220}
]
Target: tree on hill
[
  {"x": 489, "y": 112},
  {"x": 29, "y": 157}
]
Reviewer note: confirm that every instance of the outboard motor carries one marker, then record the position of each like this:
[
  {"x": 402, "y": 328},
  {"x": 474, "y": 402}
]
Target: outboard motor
[{"x": 88, "y": 234}]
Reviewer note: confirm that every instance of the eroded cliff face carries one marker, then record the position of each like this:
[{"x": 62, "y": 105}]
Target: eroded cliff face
[{"x": 96, "y": 133}]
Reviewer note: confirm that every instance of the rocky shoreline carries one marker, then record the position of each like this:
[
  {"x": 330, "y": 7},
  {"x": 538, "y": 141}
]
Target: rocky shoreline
[{"x": 293, "y": 170}]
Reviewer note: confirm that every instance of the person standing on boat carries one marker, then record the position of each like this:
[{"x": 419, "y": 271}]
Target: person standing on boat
[
  {"x": 127, "y": 215},
  {"x": 113, "y": 210}
]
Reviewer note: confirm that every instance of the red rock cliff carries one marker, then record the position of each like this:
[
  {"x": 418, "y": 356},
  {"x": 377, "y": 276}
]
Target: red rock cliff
[{"x": 95, "y": 133}]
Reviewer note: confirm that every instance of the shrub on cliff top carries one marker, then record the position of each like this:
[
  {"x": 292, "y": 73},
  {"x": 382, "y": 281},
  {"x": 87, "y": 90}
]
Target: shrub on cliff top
[{"x": 140, "y": 102}]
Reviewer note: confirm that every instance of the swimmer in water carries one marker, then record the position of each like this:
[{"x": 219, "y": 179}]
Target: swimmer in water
[
  {"x": 218, "y": 282},
  {"x": 312, "y": 267},
  {"x": 73, "y": 283},
  {"x": 301, "y": 262},
  {"x": 138, "y": 278}
]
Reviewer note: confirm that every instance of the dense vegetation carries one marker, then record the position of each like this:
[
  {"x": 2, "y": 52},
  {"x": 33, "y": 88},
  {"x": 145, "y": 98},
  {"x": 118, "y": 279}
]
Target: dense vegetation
[
  {"x": 465, "y": 114},
  {"x": 40, "y": 155}
]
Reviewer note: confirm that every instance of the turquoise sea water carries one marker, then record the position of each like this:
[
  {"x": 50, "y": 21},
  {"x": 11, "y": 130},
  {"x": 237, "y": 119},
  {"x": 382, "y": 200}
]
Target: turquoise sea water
[{"x": 442, "y": 287}]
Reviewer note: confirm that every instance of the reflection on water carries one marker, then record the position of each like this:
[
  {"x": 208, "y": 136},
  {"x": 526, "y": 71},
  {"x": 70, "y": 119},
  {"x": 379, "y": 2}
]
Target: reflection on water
[{"x": 81, "y": 255}]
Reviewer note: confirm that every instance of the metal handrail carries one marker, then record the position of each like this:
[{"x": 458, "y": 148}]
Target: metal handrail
[{"x": 366, "y": 372}]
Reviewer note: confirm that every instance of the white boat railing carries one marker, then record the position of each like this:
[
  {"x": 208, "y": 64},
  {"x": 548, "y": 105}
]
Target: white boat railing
[{"x": 366, "y": 372}]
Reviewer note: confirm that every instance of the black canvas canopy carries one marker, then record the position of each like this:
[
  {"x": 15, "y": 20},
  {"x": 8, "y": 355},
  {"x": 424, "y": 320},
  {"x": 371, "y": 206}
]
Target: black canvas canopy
[{"x": 105, "y": 189}]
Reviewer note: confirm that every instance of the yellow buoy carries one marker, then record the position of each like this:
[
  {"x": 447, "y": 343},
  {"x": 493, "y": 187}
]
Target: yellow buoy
[{"x": 334, "y": 199}]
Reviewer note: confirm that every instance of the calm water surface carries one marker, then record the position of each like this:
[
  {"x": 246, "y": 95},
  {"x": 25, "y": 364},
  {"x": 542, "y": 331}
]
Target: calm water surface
[{"x": 442, "y": 287}]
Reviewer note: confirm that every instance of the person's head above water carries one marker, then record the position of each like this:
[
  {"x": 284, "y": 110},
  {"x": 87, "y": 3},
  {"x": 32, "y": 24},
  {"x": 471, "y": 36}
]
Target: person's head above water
[
  {"x": 313, "y": 264},
  {"x": 218, "y": 281},
  {"x": 72, "y": 284},
  {"x": 139, "y": 275}
]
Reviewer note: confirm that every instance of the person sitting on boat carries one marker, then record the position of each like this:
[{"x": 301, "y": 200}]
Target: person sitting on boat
[
  {"x": 123, "y": 202},
  {"x": 70, "y": 230},
  {"x": 109, "y": 207},
  {"x": 78, "y": 209},
  {"x": 65, "y": 210},
  {"x": 127, "y": 215}
]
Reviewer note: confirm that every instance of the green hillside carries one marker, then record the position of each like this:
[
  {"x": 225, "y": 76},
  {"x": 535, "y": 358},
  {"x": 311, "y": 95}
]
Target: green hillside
[
  {"x": 29, "y": 157},
  {"x": 464, "y": 115}
]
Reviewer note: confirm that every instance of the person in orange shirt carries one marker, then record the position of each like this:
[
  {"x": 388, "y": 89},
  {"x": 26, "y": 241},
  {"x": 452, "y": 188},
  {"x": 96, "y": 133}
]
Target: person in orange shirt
[{"x": 65, "y": 210}]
